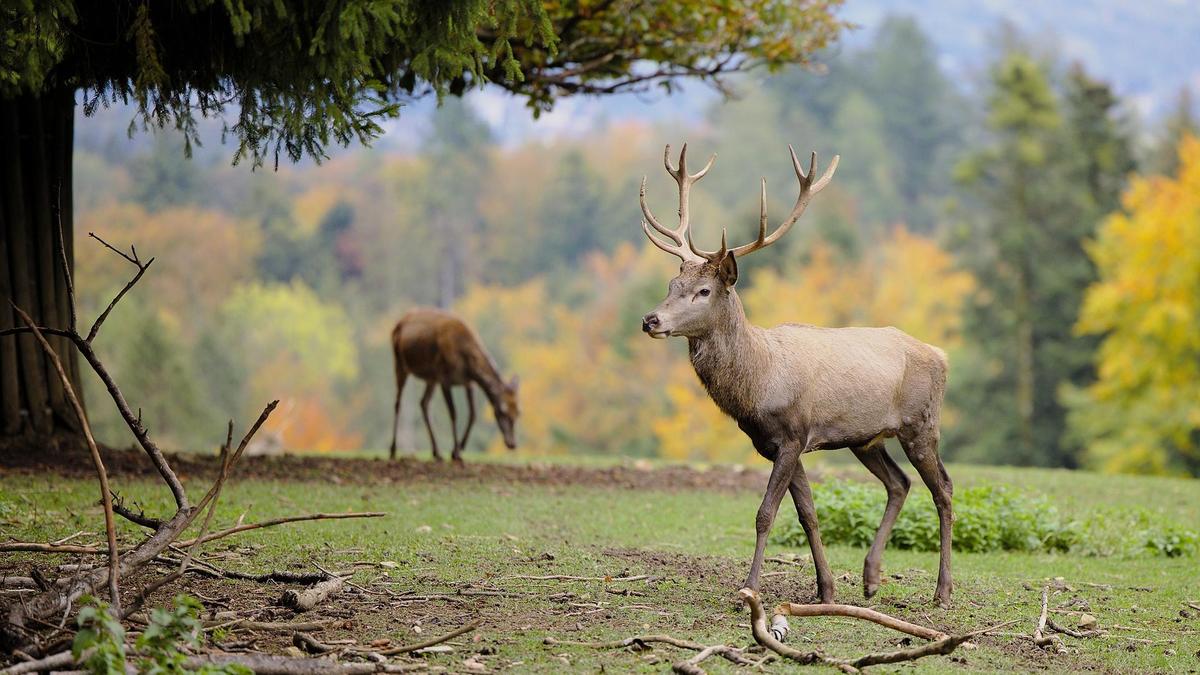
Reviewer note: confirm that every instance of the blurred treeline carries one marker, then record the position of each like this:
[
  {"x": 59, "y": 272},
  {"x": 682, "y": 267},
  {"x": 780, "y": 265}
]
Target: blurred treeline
[{"x": 1027, "y": 222}]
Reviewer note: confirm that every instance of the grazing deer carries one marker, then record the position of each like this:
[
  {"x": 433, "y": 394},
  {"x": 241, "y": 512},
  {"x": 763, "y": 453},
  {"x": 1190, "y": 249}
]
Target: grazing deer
[
  {"x": 797, "y": 388},
  {"x": 439, "y": 348}
]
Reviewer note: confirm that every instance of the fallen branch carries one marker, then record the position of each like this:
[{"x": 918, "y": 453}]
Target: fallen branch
[
  {"x": 1039, "y": 637},
  {"x": 53, "y": 662},
  {"x": 208, "y": 569},
  {"x": 692, "y": 666},
  {"x": 138, "y": 517},
  {"x": 302, "y": 601},
  {"x": 939, "y": 648},
  {"x": 567, "y": 577},
  {"x": 405, "y": 649},
  {"x": 36, "y": 547},
  {"x": 1193, "y": 604},
  {"x": 763, "y": 636},
  {"x": 790, "y": 609},
  {"x": 277, "y": 521},
  {"x": 309, "y": 644},
  {"x": 263, "y": 664}
]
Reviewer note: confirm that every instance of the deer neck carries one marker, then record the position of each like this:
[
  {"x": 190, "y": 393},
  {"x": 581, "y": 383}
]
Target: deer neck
[
  {"x": 488, "y": 377},
  {"x": 731, "y": 360}
]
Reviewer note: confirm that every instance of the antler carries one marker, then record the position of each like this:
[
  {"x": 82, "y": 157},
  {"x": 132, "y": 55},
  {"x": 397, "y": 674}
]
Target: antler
[
  {"x": 808, "y": 188},
  {"x": 677, "y": 235}
]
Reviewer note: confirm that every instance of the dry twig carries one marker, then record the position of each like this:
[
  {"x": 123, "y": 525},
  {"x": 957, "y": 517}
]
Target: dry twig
[
  {"x": 1039, "y": 637},
  {"x": 791, "y": 609},
  {"x": 277, "y": 521},
  {"x": 302, "y": 601},
  {"x": 97, "y": 462}
]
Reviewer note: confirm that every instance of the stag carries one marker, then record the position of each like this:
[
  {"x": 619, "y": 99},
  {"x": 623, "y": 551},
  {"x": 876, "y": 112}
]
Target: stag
[
  {"x": 439, "y": 348},
  {"x": 797, "y": 388}
]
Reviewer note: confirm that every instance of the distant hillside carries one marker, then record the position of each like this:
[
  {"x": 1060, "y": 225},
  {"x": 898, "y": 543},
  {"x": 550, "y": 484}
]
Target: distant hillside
[{"x": 1148, "y": 49}]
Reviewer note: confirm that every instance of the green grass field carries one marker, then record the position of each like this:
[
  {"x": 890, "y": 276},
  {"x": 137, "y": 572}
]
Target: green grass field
[{"x": 442, "y": 537}]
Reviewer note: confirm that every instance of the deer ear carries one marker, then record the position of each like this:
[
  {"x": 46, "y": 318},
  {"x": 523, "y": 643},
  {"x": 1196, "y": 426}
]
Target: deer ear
[{"x": 727, "y": 270}]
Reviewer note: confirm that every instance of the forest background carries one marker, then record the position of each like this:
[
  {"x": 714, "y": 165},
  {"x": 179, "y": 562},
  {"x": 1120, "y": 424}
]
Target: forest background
[{"x": 1030, "y": 220}]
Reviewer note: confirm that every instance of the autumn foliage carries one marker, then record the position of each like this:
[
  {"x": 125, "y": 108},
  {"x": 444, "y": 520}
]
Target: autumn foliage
[{"x": 1143, "y": 413}]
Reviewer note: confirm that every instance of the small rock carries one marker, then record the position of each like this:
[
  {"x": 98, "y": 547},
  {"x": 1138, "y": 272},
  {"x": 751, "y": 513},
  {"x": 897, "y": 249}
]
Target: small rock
[
  {"x": 388, "y": 564},
  {"x": 424, "y": 529},
  {"x": 1087, "y": 622},
  {"x": 295, "y": 653},
  {"x": 381, "y": 642},
  {"x": 1169, "y": 652}
]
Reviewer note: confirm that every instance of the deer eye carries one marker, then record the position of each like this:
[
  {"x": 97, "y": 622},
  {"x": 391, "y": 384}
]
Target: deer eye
[{"x": 704, "y": 292}]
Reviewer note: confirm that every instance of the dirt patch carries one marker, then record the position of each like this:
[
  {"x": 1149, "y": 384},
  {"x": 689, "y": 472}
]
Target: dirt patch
[{"x": 68, "y": 458}]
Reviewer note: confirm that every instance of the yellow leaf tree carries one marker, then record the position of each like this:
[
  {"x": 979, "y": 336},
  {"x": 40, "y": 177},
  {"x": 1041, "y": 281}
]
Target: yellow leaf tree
[{"x": 1143, "y": 412}]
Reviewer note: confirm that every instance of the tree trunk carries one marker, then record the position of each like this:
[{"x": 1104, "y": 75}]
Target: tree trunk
[{"x": 36, "y": 143}]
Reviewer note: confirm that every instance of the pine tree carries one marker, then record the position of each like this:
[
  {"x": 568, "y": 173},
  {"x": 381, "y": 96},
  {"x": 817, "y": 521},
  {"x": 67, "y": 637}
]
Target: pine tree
[
  {"x": 1009, "y": 180},
  {"x": 1055, "y": 166}
]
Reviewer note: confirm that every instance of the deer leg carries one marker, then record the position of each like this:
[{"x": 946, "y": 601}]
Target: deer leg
[
  {"x": 401, "y": 378},
  {"x": 425, "y": 414},
  {"x": 922, "y": 451},
  {"x": 456, "y": 453},
  {"x": 802, "y": 497},
  {"x": 877, "y": 461},
  {"x": 470, "y": 415},
  {"x": 781, "y": 477}
]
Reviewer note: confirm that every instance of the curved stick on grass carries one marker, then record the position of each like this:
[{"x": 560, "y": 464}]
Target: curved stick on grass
[
  {"x": 405, "y": 649},
  {"x": 790, "y": 609},
  {"x": 692, "y": 666},
  {"x": 763, "y": 636}
]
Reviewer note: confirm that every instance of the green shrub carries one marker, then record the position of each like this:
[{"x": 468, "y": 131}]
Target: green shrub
[
  {"x": 101, "y": 633},
  {"x": 987, "y": 518},
  {"x": 158, "y": 646},
  {"x": 1172, "y": 541}
]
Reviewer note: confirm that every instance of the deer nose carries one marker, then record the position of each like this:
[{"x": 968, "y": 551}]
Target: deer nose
[{"x": 649, "y": 322}]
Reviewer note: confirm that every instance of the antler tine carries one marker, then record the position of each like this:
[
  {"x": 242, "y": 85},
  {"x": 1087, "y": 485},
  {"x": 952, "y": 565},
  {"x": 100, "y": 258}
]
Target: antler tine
[
  {"x": 684, "y": 181},
  {"x": 714, "y": 256},
  {"x": 649, "y": 217},
  {"x": 808, "y": 188}
]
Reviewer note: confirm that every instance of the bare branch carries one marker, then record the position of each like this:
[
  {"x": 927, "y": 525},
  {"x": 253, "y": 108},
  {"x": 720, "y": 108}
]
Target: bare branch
[
  {"x": 134, "y": 260},
  {"x": 101, "y": 473},
  {"x": 1039, "y": 637},
  {"x": 62, "y": 255},
  {"x": 117, "y": 298},
  {"x": 135, "y": 425},
  {"x": 279, "y": 521},
  {"x": 302, "y": 601},
  {"x": 790, "y": 609},
  {"x": 138, "y": 517},
  {"x": 405, "y": 649}
]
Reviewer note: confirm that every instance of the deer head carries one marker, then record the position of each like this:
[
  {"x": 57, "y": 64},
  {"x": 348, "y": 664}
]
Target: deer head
[
  {"x": 506, "y": 411},
  {"x": 701, "y": 298}
]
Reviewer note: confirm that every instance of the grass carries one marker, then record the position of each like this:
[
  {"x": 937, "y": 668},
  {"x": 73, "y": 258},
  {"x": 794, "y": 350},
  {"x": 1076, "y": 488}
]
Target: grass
[{"x": 444, "y": 536}]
